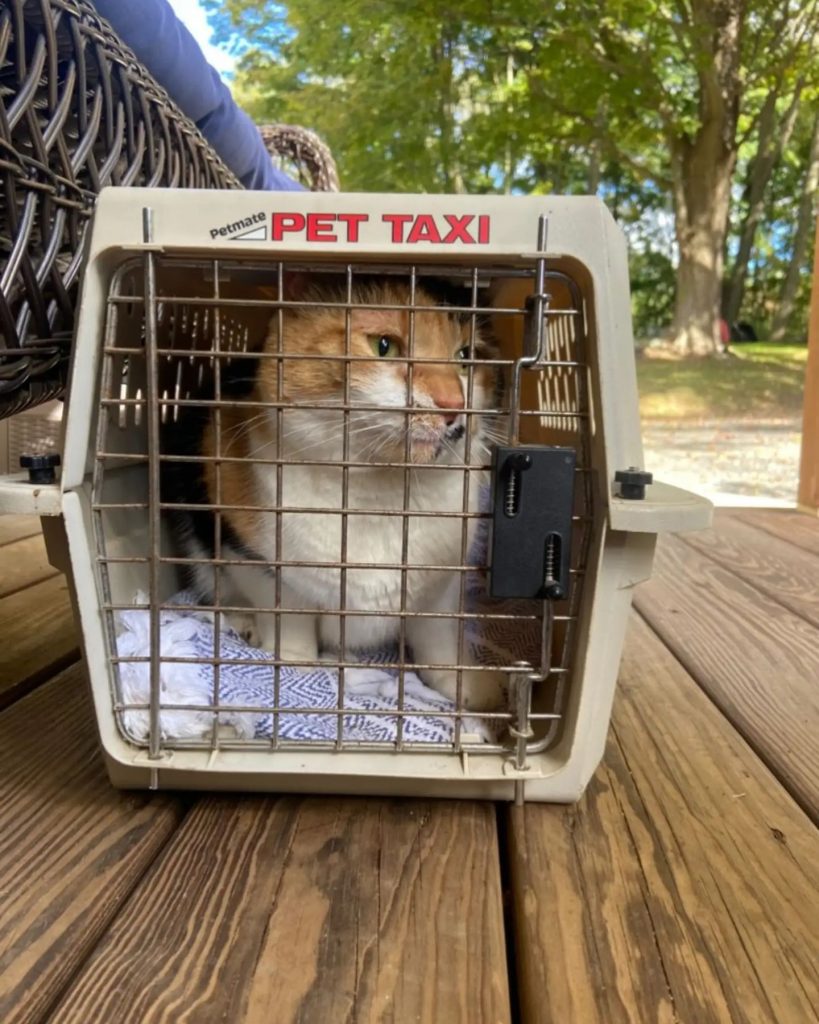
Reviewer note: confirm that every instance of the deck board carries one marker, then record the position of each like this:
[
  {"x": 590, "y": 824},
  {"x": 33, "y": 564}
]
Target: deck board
[
  {"x": 309, "y": 910},
  {"x": 17, "y": 527},
  {"x": 71, "y": 847},
  {"x": 24, "y": 563},
  {"x": 794, "y": 527},
  {"x": 758, "y": 661},
  {"x": 783, "y": 572},
  {"x": 39, "y": 635},
  {"x": 683, "y": 887}
]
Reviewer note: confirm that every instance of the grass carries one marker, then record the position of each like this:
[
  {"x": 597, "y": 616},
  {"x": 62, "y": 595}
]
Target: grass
[{"x": 759, "y": 381}]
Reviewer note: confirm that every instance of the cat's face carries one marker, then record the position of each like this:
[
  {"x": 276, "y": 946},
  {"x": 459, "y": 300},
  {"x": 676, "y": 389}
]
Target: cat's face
[{"x": 420, "y": 370}]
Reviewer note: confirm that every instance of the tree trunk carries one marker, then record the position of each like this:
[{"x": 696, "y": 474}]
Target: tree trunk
[
  {"x": 772, "y": 137},
  {"x": 804, "y": 226},
  {"x": 508, "y": 157},
  {"x": 702, "y": 169},
  {"x": 701, "y": 221}
]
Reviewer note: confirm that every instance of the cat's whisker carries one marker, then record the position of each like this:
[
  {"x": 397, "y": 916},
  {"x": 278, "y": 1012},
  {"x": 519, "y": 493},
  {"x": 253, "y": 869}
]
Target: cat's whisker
[{"x": 321, "y": 440}]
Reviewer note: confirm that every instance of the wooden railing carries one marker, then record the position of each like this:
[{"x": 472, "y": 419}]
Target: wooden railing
[{"x": 809, "y": 464}]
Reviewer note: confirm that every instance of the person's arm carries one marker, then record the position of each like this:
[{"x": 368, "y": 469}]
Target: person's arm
[{"x": 171, "y": 54}]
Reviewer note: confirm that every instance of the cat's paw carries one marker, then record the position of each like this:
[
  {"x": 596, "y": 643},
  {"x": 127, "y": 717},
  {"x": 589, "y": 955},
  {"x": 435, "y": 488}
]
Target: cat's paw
[
  {"x": 480, "y": 690},
  {"x": 244, "y": 625}
]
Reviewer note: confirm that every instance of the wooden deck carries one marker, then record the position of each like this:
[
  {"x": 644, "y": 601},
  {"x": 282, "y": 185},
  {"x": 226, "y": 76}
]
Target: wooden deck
[{"x": 682, "y": 888}]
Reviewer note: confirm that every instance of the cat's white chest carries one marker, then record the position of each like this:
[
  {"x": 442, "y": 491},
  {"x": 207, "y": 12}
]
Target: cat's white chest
[{"x": 373, "y": 540}]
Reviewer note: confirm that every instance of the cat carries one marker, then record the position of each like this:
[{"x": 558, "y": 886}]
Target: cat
[{"x": 431, "y": 436}]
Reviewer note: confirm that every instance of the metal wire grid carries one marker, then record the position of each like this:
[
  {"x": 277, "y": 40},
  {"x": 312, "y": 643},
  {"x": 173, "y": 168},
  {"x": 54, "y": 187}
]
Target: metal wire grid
[
  {"x": 164, "y": 351},
  {"x": 77, "y": 112}
]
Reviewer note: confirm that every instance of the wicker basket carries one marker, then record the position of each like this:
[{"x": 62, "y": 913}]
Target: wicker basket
[{"x": 77, "y": 112}]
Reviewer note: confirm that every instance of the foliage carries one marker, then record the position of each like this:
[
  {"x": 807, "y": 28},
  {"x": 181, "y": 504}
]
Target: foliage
[{"x": 592, "y": 95}]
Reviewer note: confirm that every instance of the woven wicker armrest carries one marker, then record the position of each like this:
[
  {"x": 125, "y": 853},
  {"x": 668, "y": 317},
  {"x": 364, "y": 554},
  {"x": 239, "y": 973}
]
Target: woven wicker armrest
[
  {"x": 77, "y": 112},
  {"x": 302, "y": 154}
]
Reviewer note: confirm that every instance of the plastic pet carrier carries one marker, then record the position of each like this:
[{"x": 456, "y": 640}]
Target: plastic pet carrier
[{"x": 353, "y": 490}]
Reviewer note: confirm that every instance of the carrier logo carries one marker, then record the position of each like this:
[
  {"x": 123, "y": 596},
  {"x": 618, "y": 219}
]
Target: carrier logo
[
  {"x": 397, "y": 228},
  {"x": 408, "y": 228},
  {"x": 246, "y": 229}
]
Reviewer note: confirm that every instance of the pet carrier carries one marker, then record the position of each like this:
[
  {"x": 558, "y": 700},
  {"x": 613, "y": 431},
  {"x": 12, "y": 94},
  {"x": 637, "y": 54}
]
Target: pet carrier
[{"x": 353, "y": 490}]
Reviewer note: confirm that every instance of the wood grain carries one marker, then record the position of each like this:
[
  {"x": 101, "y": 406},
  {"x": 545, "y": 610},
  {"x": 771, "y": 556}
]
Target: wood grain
[
  {"x": 23, "y": 563},
  {"x": 71, "y": 847},
  {"x": 39, "y": 637},
  {"x": 684, "y": 887},
  {"x": 809, "y": 458},
  {"x": 796, "y": 528},
  {"x": 17, "y": 527},
  {"x": 782, "y": 572},
  {"x": 309, "y": 910},
  {"x": 756, "y": 660}
]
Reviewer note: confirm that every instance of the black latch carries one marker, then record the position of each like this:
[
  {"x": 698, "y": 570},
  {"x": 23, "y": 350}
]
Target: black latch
[
  {"x": 41, "y": 468},
  {"x": 532, "y": 503}
]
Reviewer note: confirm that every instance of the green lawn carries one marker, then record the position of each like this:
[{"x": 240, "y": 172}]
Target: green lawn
[{"x": 760, "y": 381}]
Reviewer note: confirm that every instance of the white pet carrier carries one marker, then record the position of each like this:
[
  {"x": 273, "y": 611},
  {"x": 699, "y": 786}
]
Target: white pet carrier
[{"x": 557, "y": 523}]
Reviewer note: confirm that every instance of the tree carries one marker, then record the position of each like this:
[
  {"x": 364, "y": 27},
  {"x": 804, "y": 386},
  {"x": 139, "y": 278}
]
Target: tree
[
  {"x": 452, "y": 96},
  {"x": 774, "y": 129},
  {"x": 677, "y": 77},
  {"x": 801, "y": 239}
]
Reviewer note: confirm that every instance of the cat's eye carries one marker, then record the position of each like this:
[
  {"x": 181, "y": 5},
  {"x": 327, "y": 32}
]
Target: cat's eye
[
  {"x": 383, "y": 345},
  {"x": 463, "y": 355}
]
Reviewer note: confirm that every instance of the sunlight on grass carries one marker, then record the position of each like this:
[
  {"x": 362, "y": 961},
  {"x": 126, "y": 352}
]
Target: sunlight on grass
[
  {"x": 769, "y": 352},
  {"x": 759, "y": 381}
]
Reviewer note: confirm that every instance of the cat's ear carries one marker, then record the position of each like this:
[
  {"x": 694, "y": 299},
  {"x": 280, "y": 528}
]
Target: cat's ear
[{"x": 296, "y": 284}]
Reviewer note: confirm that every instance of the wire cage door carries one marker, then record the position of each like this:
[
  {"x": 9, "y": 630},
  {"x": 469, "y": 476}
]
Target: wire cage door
[{"x": 187, "y": 342}]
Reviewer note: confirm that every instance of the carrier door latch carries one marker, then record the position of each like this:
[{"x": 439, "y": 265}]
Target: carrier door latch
[{"x": 532, "y": 503}]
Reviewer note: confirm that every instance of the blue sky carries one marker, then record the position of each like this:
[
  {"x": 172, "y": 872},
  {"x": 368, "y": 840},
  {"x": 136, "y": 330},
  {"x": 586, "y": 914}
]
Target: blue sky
[{"x": 189, "y": 12}]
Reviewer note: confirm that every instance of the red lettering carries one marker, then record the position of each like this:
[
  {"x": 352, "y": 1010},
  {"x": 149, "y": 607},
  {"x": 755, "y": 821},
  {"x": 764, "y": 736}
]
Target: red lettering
[
  {"x": 352, "y": 220},
  {"x": 398, "y": 220},
  {"x": 458, "y": 232},
  {"x": 483, "y": 229},
  {"x": 283, "y": 222},
  {"x": 319, "y": 227},
  {"x": 424, "y": 230}
]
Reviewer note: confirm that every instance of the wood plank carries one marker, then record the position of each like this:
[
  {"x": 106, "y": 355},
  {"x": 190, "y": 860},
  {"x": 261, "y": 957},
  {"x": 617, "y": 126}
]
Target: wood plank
[
  {"x": 782, "y": 572},
  {"x": 684, "y": 887},
  {"x": 17, "y": 527},
  {"x": 756, "y": 660},
  {"x": 39, "y": 637},
  {"x": 794, "y": 527},
  {"x": 71, "y": 847},
  {"x": 23, "y": 563},
  {"x": 809, "y": 460},
  {"x": 309, "y": 910}
]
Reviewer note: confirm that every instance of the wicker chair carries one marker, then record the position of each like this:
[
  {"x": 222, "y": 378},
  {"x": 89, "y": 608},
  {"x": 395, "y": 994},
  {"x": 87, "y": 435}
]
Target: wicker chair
[{"x": 78, "y": 112}]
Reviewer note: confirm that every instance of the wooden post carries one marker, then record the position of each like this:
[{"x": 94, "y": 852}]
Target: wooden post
[{"x": 808, "y": 498}]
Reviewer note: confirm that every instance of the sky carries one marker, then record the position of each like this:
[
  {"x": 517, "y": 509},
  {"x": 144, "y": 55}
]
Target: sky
[{"x": 191, "y": 14}]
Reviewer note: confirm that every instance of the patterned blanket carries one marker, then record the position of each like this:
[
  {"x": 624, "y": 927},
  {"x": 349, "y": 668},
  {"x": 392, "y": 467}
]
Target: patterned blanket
[{"x": 306, "y": 695}]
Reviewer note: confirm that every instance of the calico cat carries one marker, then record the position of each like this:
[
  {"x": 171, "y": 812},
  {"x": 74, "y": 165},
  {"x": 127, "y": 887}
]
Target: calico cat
[{"x": 431, "y": 436}]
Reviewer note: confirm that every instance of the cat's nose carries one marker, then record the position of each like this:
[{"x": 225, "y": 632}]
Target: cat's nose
[{"x": 450, "y": 405}]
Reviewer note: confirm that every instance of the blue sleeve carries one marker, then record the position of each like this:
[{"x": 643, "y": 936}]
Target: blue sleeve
[{"x": 173, "y": 57}]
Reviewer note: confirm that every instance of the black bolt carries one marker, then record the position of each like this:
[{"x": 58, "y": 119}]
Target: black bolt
[
  {"x": 41, "y": 467},
  {"x": 554, "y": 592},
  {"x": 633, "y": 482}
]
